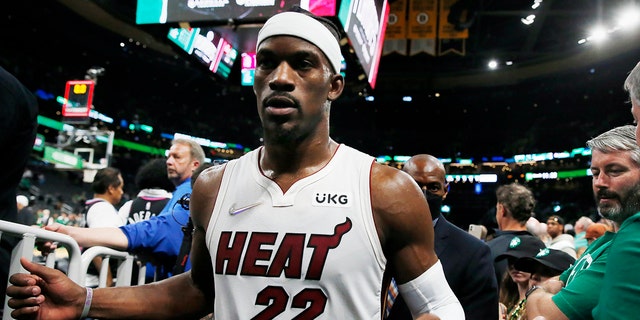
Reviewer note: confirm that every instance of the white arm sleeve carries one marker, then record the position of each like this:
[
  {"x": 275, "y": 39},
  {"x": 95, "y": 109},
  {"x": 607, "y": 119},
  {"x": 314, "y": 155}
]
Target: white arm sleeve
[{"x": 430, "y": 293}]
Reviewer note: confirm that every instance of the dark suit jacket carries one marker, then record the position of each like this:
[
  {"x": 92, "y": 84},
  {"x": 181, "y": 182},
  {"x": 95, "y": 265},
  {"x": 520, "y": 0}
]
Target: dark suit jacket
[
  {"x": 18, "y": 125},
  {"x": 468, "y": 266}
]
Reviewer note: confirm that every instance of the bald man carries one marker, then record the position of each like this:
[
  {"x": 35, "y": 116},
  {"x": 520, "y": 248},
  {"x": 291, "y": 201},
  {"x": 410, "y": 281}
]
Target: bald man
[{"x": 466, "y": 260}]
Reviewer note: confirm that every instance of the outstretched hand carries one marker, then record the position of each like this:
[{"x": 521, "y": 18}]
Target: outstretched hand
[
  {"x": 47, "y": 247},
  {"x": 44, "y": 294}
]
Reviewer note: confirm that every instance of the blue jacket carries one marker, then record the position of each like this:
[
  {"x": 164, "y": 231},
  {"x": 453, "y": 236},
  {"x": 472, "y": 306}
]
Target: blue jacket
[{"x": 160, "y": 237}]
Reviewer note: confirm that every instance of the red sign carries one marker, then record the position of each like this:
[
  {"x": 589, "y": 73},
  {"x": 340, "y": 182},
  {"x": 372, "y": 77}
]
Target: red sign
[{"x": 78, "y": 98}]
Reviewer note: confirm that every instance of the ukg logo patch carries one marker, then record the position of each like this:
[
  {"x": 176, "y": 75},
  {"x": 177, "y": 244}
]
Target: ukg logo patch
[{"x": 330, "y": 199}]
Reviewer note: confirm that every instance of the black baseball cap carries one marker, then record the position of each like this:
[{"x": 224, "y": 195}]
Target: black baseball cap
[
  {"x": 553, "y": 259},
  {"x": 557, "y": 219},
  {"x": 522, "y": 246}
]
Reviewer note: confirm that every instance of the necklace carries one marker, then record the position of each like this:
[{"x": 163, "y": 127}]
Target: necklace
[{"x": 518, "y": 311}]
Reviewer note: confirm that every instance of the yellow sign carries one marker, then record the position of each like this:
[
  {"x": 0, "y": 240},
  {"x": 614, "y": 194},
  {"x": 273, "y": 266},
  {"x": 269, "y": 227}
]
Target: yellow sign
[
  {"x": 423, "y": 18},
  {"x": 447, "y": 30},
  {"x": 80, "y": 89},
  {"x": 397, "y": 22}
]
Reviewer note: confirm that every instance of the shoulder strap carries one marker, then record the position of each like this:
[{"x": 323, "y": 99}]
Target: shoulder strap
[
  {"x": 185, "y": 247},
  {"x": 87, "y": 205}
]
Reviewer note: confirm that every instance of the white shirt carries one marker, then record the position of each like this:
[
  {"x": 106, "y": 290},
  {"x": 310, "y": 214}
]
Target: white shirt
[
  {"x": 103, "y": 214},
  {"x": 563, "y": 242}
]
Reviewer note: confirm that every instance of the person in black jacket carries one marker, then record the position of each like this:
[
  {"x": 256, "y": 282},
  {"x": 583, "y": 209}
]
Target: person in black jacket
[
  {"x": 18, "y": 125},
  {"x": 466, "y": 260}
]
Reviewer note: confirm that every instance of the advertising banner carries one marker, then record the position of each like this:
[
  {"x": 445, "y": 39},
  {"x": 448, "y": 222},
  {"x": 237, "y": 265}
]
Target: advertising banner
[
  {"x": 365, "y": 23},
  {"x": 163, "y": 11}
]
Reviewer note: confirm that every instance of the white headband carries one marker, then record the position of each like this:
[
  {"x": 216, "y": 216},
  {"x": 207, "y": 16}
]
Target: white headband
[{"x": 305, "y": 27}]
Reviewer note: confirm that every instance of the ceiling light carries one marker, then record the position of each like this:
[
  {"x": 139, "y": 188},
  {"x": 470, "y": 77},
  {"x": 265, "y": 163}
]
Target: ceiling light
[
  {"x": 629, "y": 18},
  {"x": 536, "y": 4},
  {"x": 529, "y": 19},
  {"x": 598, "y": 34}
]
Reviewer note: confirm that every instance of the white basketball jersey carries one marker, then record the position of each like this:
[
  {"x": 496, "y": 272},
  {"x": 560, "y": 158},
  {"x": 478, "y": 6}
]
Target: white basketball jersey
[{"x": 310, "y": 253}]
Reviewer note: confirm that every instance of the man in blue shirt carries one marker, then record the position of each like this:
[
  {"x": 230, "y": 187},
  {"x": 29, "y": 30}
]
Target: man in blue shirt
[{"x": 160, "y": 237}]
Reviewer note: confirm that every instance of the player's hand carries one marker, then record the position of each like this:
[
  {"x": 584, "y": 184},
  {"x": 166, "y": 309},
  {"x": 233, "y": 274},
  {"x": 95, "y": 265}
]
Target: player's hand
[{"x": 44, "y": 294}]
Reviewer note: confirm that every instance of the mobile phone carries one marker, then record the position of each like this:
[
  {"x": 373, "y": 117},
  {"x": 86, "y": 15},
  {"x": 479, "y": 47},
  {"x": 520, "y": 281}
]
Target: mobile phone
[{"x": 478, "y": 231}]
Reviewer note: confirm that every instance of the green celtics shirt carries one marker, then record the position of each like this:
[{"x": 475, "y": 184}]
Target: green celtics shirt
[
  {"x": 583, "y": 280},
  {"x": 620, "y": 293}
]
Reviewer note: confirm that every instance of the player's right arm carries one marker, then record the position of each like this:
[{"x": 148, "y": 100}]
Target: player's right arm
[{"x": 49, "y": 294}]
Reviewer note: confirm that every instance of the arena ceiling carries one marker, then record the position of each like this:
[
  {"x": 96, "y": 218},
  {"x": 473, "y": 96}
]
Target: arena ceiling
[{"x": 553, "y": 96}]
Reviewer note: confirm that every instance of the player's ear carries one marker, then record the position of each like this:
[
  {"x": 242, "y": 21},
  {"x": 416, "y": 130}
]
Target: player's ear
[{"x": 337, "y": 85}]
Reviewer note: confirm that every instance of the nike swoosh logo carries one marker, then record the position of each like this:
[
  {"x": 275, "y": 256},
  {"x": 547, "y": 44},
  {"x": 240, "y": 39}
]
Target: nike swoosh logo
[{"x": 233, "y": 211}]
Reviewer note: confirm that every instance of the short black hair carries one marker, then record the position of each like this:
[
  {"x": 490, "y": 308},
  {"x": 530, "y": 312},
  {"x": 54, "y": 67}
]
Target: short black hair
[
  {"x": 105, "y": 178},
  {"x": 153, "y": 175}
]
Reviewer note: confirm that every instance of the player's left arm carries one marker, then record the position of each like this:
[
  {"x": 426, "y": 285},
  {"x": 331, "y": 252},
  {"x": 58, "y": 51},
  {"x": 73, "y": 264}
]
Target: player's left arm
[
  {"x": 203, "y": 198},
  {"x": 404, "y": 226}
]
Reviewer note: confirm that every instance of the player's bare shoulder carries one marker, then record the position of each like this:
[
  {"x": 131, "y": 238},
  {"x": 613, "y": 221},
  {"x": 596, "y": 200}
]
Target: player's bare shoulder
[
  {"x": 388, "y": 183},
  {"x": 205, "y": 192},
  {"x": 395, "y": 197},
  {"x": 210, "y": 176}
]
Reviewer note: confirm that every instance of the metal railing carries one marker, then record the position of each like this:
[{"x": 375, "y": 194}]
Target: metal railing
[{"x": 78, "y": 262}]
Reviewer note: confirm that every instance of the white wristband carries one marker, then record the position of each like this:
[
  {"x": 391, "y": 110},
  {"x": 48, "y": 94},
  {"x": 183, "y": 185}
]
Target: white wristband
[
  {"x": 430, "y": 293},
  {"x": 87, "y": 303}
]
